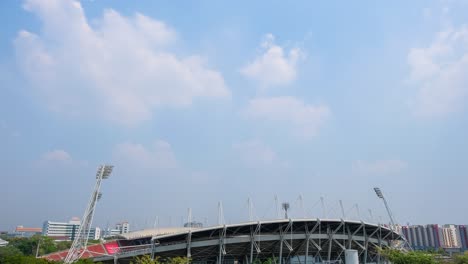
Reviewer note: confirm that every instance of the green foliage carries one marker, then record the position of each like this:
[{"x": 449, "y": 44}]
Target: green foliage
[
  {"x": 87, "y": 261},
  {"x": 28, "y": 246},
  {"x": 63, "y": 245},
  {"x": 20, "y": 259},
  {"x": 146, "y": 259},
  {"x": 413, "y": 257},
  {"x": 9, "y": 250},
  {"x": 273, "y": 260},
  {"x": 178, "y": 260},
  {"x": 461, "y": 259}
]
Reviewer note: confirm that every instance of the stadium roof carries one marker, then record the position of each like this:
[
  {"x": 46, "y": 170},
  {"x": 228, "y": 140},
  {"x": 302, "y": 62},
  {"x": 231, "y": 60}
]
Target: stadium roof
[
  {"x": 154, "y": 232},
  {"x": 3, "y": 243}
]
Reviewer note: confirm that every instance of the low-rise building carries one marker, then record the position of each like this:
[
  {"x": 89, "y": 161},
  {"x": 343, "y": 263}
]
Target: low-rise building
[{"x": 21, "y": 231}]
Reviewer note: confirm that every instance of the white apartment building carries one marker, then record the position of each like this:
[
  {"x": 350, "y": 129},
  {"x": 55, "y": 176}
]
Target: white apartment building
[
  {"x": 120, "y": 228},
  {"x": 123, "y": 227},
  {"x": 67, "y": 231},
  {"x": 450, "y": 236}
]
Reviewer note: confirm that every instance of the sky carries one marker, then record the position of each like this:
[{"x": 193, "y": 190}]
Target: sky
[{"x": 197, "y": 103}]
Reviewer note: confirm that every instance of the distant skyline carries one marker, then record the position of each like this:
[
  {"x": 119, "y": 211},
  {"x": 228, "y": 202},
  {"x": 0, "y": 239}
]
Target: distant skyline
[{"x": 207, "y": 101}]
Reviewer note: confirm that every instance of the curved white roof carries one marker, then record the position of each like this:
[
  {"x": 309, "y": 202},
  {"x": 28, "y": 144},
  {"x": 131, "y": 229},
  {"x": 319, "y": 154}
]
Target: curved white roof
[
  {"x": 3, "y": 242},
  {"x": 154, "y": 232}
]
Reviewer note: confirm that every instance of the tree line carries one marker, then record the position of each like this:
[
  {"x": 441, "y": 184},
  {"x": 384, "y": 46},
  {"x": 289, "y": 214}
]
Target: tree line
[{"x": 25, "y": 250}]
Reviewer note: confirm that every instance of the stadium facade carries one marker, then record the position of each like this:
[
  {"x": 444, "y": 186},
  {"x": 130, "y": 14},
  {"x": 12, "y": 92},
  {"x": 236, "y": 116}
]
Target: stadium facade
[{"x": 284, "y": 240}]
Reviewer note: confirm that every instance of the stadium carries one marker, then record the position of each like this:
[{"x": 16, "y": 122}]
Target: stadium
[
  {"x": 288, "y": 240},
  {"x": 282, "y": 240}
]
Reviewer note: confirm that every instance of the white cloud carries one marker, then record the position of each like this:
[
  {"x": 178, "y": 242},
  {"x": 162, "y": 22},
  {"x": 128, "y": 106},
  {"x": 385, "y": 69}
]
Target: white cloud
[
  {"x": 57, "y": 155},
  {"x": 379, "y": 167},
  {"x": 304, "y": 119},
  {"x": 120, "y": 68},
  {"x": 274, "y": 66},
  {"x": 255, "y": 153},
  {"x": 158, "y": 155},
  {"x": 440, "y": 73}
]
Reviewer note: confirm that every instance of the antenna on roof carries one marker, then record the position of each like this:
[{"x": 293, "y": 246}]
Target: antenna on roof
[
  {"x": 277, "y": 207},
  {"x": 342, "y": 210},
  {"x": 249, "y": 203},
  {"x": 324, "y": 211},
  {"x": 285, "y": 207},
  {"x": 221, "y": 220},
  {"x": 301, "y": 205}
]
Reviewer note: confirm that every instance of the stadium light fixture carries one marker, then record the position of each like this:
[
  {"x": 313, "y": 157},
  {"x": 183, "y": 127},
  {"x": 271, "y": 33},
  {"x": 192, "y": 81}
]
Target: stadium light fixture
[
  {"x": 104, "y": 171},
  {"x": 378, "y": 192}
]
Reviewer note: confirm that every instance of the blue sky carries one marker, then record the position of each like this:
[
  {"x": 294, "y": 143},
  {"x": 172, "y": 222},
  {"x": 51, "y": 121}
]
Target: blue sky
[{"x": 200, "y": 102}]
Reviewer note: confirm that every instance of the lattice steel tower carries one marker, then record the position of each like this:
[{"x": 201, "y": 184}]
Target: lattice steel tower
[{"x": 81, "y": 238}]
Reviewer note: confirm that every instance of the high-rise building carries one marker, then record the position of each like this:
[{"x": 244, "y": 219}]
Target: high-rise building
[
  {"x": 123, "y": 227},
  {"x": 463, "y": 234},
  {"x": 423, "y": 237},
  {"x": 451, "y": 236},
  {"x": 67, "y": 231},
  {"x": 434, "y": 236},
  {"x": 120, "y": 228}
]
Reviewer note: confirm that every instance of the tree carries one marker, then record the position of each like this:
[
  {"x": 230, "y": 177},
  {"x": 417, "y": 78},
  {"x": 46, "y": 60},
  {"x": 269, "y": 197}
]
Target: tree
[
  {"x": 413, "y": 257},
  {"x": 9, "y": 250},
  {"x": 178, "y": 260}
]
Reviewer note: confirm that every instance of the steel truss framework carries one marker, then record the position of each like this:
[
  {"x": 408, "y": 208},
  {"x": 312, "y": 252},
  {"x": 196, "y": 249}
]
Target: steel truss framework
[
  {"x": 285, "y": 241},
  {"x": 81, "y": 239}
]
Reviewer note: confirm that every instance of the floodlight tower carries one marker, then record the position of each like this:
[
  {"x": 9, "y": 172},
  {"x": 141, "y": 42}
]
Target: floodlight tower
[
  {"x": 380, "y": 195},
  {"x": 285, "y": 207},
  {"x": 390, "y": 215},
  {"x": 81, "y": 238}
]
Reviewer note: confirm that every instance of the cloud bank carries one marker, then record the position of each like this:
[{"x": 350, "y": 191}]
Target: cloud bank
[
  {"x": 119, "y": 68},
  {"x": 440, "y": 73}
]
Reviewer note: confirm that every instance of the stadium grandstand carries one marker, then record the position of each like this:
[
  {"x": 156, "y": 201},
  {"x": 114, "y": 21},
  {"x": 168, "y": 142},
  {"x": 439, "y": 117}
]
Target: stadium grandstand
[{"x": 285, "y": 240}]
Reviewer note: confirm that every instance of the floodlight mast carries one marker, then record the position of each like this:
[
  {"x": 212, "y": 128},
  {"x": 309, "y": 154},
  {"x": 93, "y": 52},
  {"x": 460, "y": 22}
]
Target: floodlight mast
[
  {"x": 379, "y": 194},
  {"x": 81, "y": 238}
]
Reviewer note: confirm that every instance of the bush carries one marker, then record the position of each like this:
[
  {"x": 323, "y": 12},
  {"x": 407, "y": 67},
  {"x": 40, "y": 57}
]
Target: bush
[{"x": 461, "y": 259}]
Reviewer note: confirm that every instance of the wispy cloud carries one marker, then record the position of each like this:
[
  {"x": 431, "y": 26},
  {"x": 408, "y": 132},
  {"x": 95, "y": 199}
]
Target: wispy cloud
[
  {"x": 121, "y": 68},
  {"x": 379, "y": 167},
  {"x": 156, "y": 156},
  {"x": 255, "y": 153},
  {"x": 304, "y": 119},
  {"x": 59, "y": 155}
]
